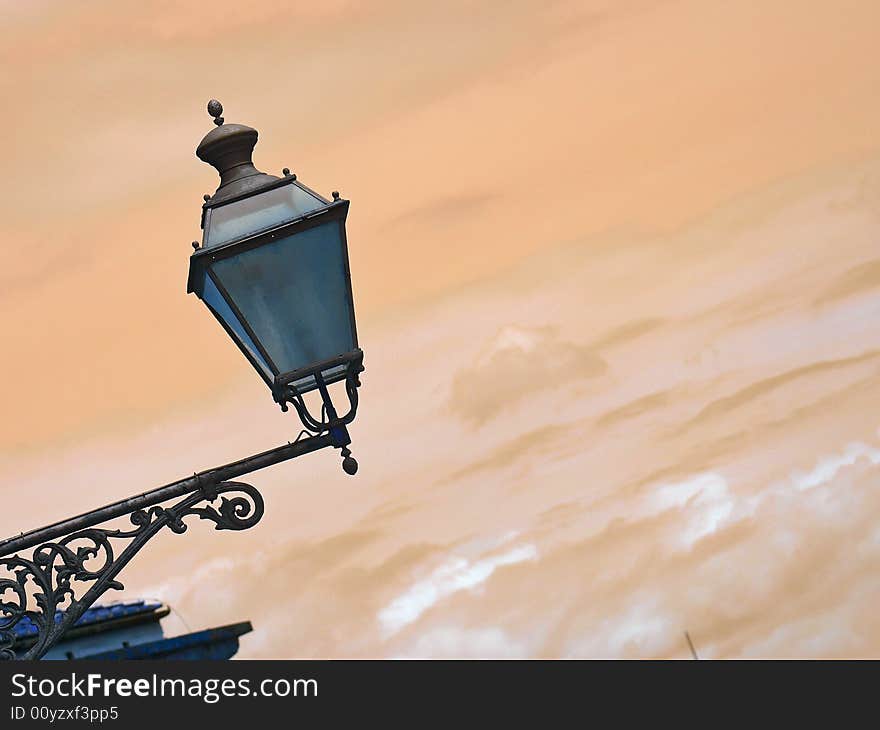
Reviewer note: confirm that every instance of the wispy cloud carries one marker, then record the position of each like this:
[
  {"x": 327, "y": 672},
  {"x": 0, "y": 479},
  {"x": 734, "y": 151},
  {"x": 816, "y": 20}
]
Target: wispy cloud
[
  {"x": 515, "y": 363},
  {"x": 457, "y": 574}
]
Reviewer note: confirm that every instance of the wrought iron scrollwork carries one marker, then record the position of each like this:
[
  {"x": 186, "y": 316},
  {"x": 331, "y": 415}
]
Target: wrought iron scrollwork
[{"x": 41, "y": 588}]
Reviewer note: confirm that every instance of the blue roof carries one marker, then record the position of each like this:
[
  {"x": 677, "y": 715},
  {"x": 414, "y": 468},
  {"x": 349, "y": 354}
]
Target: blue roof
[
  {"x": 218, "y": 644},
  {"x": 94, "y": 615}
]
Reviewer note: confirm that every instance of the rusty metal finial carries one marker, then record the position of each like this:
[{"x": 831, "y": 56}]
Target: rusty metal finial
[{"x": 215, "y": 109}]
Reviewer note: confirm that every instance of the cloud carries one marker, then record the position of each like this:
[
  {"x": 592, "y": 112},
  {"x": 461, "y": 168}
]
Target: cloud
[
  {"x": 515, "y": 363},
  {"x": 828, "y": 468},
  {"x": 519, "y": 361},
  {"x": 638, "y": 629},
  {"x": 628, "y": 331},
  {"x": 759, "y": 389},
  {"x": 544, "y": 441},
  {"x": 635, "y": 408},
  {"x": 705, "y": 499},
  {"x": 457, "y": 574},
  {"x": 860, "y": 279}
]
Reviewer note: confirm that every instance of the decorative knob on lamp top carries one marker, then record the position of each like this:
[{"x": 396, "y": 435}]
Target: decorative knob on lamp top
[
  {"x": 228, "y": 148},
  {"x": 215, "y": 109}
]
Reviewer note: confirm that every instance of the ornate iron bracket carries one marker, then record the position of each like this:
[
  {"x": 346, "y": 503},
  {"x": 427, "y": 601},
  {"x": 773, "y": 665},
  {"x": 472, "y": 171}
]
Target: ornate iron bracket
[
  {"x": 94, "y": 556},
  {"x": 43, "y": 572}
]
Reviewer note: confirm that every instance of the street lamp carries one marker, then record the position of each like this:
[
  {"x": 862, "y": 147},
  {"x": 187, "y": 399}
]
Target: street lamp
[{"x": 273, "y": 269}]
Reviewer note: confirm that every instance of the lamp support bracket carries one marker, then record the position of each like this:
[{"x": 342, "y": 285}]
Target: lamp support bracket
[{"x": 50, "y": 576}]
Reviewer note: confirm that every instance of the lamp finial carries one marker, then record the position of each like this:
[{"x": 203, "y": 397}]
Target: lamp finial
[
  {"x": 215, "y": 109},
  {"x": 228, "y": 148}
]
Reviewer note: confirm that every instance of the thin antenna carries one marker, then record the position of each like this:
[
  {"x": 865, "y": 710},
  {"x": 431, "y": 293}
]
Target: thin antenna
[{"x": 691, "y": 645}]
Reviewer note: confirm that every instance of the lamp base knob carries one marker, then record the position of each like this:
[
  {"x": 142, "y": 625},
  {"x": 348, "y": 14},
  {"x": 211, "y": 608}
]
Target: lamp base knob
[{"x": 349, "y": 464}]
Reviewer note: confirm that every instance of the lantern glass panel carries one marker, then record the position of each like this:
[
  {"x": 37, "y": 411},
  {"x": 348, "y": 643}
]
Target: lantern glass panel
[
  {"x": 259, "y": 213},
  {"x": 212, "y": 297},
  {"x": 294, "y": 294}
]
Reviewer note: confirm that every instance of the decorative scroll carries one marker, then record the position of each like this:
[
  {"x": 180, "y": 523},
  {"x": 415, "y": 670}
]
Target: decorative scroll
[{"x": 40, "y": 587}]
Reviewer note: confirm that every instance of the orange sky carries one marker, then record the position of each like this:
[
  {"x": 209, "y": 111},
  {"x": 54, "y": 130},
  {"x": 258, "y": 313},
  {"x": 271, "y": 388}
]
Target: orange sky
[{"x": 537, "y": 188}]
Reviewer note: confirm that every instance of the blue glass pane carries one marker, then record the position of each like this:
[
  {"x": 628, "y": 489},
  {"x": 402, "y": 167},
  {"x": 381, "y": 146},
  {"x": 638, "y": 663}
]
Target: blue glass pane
[
  {"x": 293, "y": 292},
  {"x": 212, "y": 297},
  {"x": 259, "y": 213}
]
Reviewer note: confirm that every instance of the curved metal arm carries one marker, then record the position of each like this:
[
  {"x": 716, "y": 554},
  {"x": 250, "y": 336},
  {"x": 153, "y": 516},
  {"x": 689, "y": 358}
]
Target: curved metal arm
[
  {"x": 38, "y": 569},
  {"x": 44, "y": 580}
]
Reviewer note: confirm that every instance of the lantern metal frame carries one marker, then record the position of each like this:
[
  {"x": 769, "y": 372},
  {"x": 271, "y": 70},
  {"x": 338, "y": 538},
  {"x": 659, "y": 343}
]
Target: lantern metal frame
[{"x": 200, "y": 265}]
